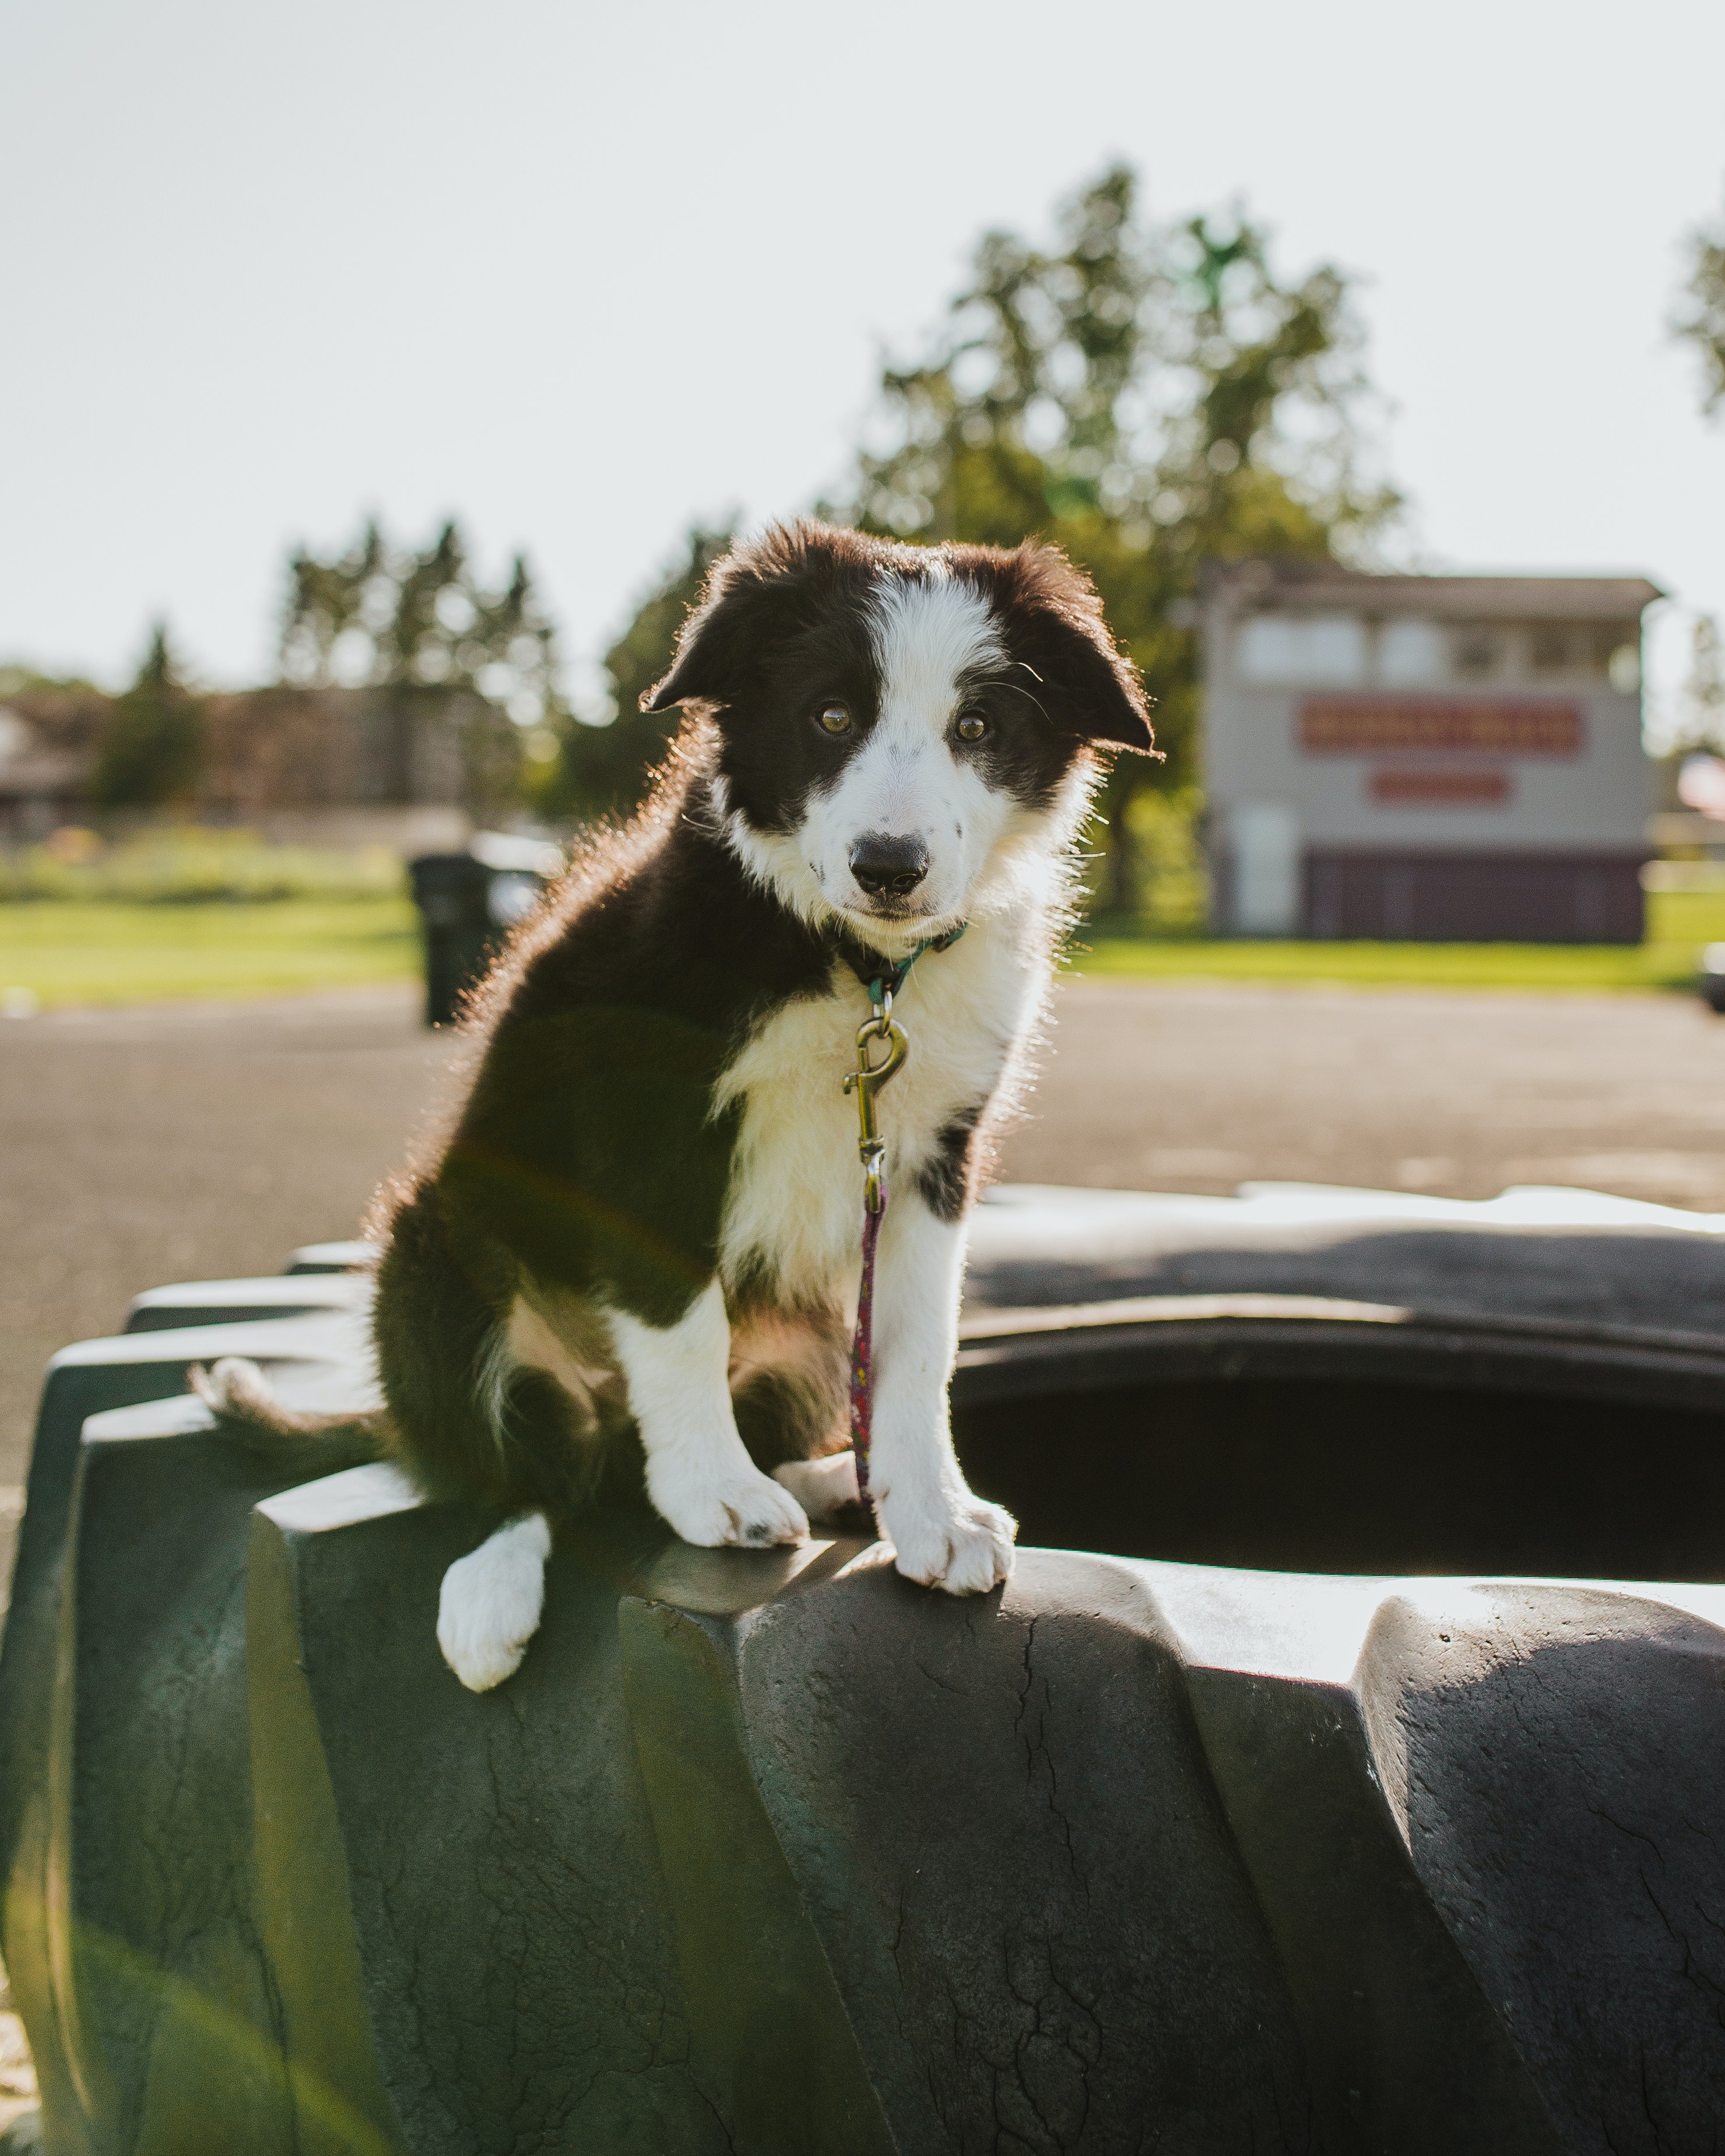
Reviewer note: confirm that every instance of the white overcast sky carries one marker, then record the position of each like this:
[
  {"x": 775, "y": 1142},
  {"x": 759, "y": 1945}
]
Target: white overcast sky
[{"x": 581, "y": 273}]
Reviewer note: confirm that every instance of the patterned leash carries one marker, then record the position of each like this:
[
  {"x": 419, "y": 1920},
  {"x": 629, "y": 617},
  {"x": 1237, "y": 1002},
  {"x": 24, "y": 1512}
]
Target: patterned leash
[{"x": 865, "y": 1081}]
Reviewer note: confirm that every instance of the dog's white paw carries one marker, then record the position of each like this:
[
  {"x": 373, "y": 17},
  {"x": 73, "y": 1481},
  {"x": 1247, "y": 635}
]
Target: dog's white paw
[
  {"x": 958, "y": 1541},
  {"x": 820, "y": 1486},
  {"x": 738, "y": 1506},
  {"x": 491, "y": 1602}
]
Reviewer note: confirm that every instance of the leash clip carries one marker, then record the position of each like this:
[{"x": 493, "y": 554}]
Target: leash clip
[{"x": 866, "y": 1081}]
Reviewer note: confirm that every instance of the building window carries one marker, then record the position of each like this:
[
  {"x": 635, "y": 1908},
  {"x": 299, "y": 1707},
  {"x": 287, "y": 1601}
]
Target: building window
[
  {"x": 1616, "y": 653},
  {"x": 1313, "y": 651},
  {"x": 1476, "y": 651},
  {"x": 1411, "y": 653},
  {"x": 1553, "y": 648}
]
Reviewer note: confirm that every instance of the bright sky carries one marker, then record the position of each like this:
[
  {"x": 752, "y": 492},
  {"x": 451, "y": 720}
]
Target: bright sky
[{"x": 580, "y": 273}]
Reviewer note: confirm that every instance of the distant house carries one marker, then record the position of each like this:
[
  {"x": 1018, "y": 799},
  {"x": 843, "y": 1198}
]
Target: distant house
[
  {"x": 1425, "y": 758},
  {"x": 48, "y": 746},
  {"x": 335, "y": 767},
  {"x": 412, "y": 769}
]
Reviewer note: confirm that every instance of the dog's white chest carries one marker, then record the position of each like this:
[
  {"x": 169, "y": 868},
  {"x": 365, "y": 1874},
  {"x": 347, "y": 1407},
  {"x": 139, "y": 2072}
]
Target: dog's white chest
[{"x": 794, "y": 1212}]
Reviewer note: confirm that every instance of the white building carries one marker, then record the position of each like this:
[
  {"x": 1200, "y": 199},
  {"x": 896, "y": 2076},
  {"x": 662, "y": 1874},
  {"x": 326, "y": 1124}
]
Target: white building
[{"x": 1433, "y": 758}]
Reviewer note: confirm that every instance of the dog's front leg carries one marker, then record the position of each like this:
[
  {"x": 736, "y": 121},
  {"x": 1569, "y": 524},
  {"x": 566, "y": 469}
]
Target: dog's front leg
[
  {"x": 698, "y": 1475},
  {"x": 944, "y": 1535}
]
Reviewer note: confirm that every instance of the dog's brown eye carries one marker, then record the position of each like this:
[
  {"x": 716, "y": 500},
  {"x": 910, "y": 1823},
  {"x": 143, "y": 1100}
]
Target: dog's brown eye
[
  {"x": 835, "y": 718},
  {"x": 972, "y": 727}
]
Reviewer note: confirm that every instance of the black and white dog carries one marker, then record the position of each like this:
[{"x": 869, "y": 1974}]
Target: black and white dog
[{"x": 650, "y": 1210}]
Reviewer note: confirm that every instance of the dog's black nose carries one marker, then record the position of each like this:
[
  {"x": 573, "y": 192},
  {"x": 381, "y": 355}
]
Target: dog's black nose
[{"x": 887, "y": 866}]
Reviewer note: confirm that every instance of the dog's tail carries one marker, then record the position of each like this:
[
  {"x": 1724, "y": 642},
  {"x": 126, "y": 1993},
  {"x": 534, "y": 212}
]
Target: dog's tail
[{"x": 237, "y": 1394}]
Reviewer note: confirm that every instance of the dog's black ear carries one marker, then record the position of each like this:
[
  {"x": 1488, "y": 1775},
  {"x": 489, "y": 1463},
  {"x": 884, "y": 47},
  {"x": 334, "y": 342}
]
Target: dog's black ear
[
  {"x": 761, "y": 589},
  {"x": 704, "y": 663},
  {"x": 1089, "y": 686}
]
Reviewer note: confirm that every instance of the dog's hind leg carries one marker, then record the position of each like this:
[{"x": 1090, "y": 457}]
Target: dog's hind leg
[
  {"x": 820, "y": 1486},
  {"x": 699, "y": 1473},
  {"x": 491, "y": 1600}
]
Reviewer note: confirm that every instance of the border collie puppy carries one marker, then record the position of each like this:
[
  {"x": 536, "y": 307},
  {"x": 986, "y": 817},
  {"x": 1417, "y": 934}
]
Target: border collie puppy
[{"x": 650, "y": 1210}]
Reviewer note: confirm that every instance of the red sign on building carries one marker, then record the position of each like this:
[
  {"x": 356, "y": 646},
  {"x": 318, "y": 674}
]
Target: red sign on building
[
  {"x": 1399, "y": 788},
  {"x": 1481, "y": 725}
]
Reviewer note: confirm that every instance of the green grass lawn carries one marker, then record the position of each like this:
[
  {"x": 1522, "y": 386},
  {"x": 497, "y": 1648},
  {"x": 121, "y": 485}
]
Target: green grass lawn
[
  {"x": 77, "y": 951},
  {"x": 1678, "y": 924}
]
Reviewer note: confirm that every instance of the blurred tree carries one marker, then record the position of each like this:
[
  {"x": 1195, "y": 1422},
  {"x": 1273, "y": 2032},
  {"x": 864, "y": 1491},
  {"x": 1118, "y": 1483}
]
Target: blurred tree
[
  {"x": 421, "y": 627},
  {"x": 151, "y": 750},
  {"x": 378, "y": 616},
  {"x": 19, "y": 679},
  {"x": 1704, "y": 323},
  {"x": 334, "y": 613},
  {"x": 603, "y": 769},
  {"x": 1703, "y": 723},
  {"x": 1150, "y": 399}
]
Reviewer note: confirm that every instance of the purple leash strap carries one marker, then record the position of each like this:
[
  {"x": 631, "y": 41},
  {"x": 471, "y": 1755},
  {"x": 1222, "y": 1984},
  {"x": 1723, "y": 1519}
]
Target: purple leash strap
[{"x": 862, "y": 1373}]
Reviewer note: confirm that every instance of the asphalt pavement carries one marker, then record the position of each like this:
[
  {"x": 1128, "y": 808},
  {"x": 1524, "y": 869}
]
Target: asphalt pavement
[
  {"x": 1201, "y": 1087},
  {"x": 206, "y": 1141}
]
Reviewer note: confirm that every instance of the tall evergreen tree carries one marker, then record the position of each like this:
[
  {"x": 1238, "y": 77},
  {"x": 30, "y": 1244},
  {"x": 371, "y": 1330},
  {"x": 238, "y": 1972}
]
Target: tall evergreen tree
[
  {"x": 1702, "y": 321},
  {"x": 152, "y": 748}
]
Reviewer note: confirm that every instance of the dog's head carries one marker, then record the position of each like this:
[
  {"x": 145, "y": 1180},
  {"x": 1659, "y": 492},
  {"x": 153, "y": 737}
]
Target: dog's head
[{"x": 893, "y": 720}]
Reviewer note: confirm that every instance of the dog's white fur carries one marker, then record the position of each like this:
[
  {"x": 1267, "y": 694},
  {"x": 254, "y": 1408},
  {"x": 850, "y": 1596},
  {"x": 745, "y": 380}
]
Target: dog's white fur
[
  {"x": 491, "y": 1602},
  {"x": 698, "y": 1475},
  {"x": 791, "y": 1218}
]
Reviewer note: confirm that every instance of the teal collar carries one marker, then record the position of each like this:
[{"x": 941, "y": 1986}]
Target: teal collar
[{"x": 882, "y": 977}]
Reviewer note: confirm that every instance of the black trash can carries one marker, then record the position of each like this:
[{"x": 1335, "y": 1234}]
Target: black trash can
[
  {"x": 1711, "y": 981},
  {"x": 468, "y": 903}
]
